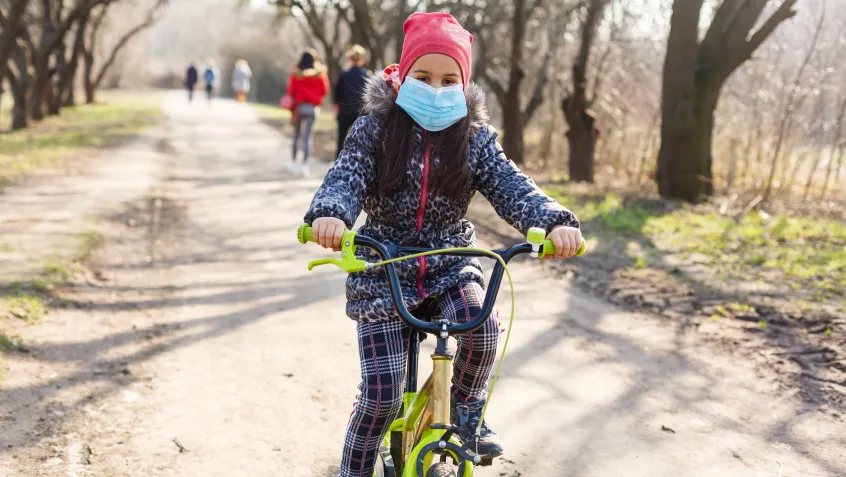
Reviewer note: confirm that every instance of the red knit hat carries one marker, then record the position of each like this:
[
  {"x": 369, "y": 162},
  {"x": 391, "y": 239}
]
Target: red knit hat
[{"x": 435, "y": 33}]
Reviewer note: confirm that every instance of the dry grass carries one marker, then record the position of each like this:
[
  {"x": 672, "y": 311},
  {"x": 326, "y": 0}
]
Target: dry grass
[{"x": 57, "y": 138}]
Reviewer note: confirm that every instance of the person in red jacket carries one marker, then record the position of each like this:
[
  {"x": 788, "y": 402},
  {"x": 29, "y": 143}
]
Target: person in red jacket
[{"x": 307, "y": 86}]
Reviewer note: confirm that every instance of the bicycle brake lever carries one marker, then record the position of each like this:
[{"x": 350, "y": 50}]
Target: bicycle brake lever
[
  {"x": 348, "y": 262},
  {"x": 324, "y": 261}
]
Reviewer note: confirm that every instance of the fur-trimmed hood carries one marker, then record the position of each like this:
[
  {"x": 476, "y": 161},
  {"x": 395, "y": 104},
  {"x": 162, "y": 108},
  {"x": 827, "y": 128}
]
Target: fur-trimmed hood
[{"x": 379, "y": 97}]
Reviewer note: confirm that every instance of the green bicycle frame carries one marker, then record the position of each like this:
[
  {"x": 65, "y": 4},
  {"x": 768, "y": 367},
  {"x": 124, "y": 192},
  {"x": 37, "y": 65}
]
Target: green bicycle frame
[{"x": 418, "y": 409}]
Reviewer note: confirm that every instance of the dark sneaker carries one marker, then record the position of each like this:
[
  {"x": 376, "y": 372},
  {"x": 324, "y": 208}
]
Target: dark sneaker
[{"x": 466, "y": 416}]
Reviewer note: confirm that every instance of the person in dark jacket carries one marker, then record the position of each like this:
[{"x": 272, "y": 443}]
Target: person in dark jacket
[
  {"x": 349, "y": 92},
  {"x": 191, "y": 78}
]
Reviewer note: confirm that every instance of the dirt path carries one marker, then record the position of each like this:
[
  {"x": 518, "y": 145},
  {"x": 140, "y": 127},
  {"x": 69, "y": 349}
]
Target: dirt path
[{"x": 208, "y": 334}]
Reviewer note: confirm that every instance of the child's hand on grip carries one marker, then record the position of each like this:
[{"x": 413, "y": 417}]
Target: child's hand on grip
[
  {"x": 567, "y": 241},
  {"x": 328, "y": 232}
]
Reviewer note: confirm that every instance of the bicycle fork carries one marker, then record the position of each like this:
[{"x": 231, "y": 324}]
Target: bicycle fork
[{"x": 433, "y": 435}]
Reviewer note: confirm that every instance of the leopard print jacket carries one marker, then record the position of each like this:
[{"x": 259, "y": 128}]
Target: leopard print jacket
[{"x": 417, "y": 217}]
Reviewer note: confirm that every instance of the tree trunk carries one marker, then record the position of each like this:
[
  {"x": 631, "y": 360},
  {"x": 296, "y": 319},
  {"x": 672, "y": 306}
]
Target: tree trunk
[
  {"x": 20, "y": 119},
  {"x": 512, "y": 142},
  {"x": 694, "y": 72},
  {"x": 70, "y": 97},
  {"x": 582, "y": 141},
  {"x": 684, "y": 160},
  {"x": 512, "y": 131},
  {"x": 583, "y": 132},
  {"x": 679, "y": 152},
  {"x": 39, "y": 88},
  {"x": 90, "y": 93},
  {"x": 88, "y": 77},
  {"x": 53, "y": 96},
  {"x": 20, "y": 88},
  {"x": 68, "y": 77}
]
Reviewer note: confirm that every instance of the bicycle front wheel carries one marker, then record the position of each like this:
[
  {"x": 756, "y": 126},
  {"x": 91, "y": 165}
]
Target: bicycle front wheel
[{"x": 440, "y": 469}]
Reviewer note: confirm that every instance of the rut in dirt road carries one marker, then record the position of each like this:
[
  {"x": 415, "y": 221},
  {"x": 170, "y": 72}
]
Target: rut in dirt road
[{"x": 245, "y": 359}]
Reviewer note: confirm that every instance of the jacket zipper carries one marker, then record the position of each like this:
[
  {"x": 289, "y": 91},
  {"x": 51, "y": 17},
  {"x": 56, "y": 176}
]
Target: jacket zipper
[{"x": 421, "y": 213}]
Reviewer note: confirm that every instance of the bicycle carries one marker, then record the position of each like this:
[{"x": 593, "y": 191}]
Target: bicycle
[{"x": 424, "y": 431}]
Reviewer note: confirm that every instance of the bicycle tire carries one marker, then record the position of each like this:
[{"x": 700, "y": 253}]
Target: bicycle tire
[
  {"x": 396, "y": 451},
  {"x": 440, "y": 469},
  {"x": 381, "y": 471}
]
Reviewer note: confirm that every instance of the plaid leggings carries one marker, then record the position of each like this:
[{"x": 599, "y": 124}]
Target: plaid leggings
[{"x": 383, "y": 348}]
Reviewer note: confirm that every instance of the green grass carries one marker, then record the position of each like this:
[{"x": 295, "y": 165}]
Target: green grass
[
  {"x": 28, "y": 299},
  {"x": 740, "y": 307},
  {"x": 57, "y": 271},
  {"x": 90, "y": 241},
  {"x": 325, "y": 121},
  {"x": 804, "y": 251},
  {"x": 8, "y": 343},
  {"x": 25, "y": 306},
  {"x": 266, "y": 111},
  {"x": 607, "y": 211},
  {"x": 45, "y": 143},
  {"x": 804, "y": 254}
]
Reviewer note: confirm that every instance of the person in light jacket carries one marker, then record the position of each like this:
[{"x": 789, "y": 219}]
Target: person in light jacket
[{"x": 241, "y": 76}]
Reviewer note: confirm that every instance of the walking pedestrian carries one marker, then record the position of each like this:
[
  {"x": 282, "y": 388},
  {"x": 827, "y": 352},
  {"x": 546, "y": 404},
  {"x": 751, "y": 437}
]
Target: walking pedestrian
[{"x": 349, "y": 92}]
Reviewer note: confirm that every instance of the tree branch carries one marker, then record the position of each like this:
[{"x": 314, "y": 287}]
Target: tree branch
[
  {"x": 537, "y": 93},
  {"x": 63, "y": 27},
  {"x": 96, "y": 23},
  {"x": 736, "y": 58},
  {"x": 481, "y": 70},
  {"x": 11, "y": 24},
  {"x": 149, "y": 20}
]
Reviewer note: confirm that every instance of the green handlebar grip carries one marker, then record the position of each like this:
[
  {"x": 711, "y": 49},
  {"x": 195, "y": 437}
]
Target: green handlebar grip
[
  {"x": 549, "y": 248},
  {"x": 304, "y": 234}
]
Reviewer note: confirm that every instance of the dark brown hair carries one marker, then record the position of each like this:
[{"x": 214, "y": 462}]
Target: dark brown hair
[{"x": 450, "y": 147}]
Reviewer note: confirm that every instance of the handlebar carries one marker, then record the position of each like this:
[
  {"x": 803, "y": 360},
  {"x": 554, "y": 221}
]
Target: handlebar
[{"x": 536, "y": 245}]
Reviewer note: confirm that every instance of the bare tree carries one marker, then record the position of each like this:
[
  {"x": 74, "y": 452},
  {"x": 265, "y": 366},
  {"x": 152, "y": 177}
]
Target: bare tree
[
  {"x": 792, "y": 98},
  {"x": 323, "y": 20},
  {"x": 93, "y": 80},
  {"x": 694, "y": 74},
  {"x": 54, "y": 25},
  {"x": 583, "y": 132},
  {"x": 515, "y": 116}
]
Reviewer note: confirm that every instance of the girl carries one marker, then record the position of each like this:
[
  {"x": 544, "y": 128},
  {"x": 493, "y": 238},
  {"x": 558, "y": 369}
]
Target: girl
[
  {"x": 412, "y": 162},
  {"x": 307, "y": 86}
]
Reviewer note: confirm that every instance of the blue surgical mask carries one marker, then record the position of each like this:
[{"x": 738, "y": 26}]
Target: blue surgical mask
[{"x": 434, "y": 109}]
